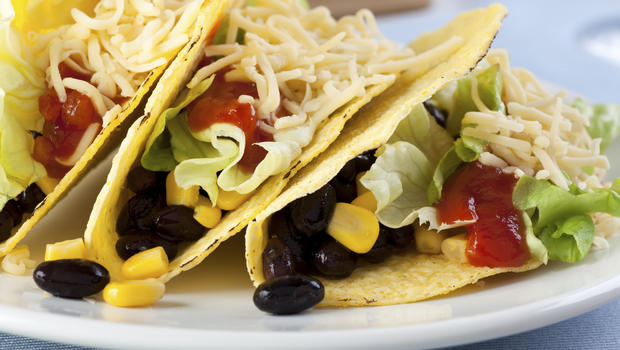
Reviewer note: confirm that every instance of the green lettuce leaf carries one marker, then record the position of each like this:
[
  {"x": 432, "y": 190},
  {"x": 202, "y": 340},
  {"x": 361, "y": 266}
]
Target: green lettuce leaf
[
  {"x": 535, "y": 245},
  {"x": 219, "y": 147},
  {"x": 553, "y": 204},
  {"x": 490, "y": 90},
  {"x": 209, "y": 158},
  {"x": 569, "y": 240},
  {"x": 604, "y": 120},
  {"x": 559, "y": 216},
  {"x": 223, "y": 146},
  {"x": 400, "y": 177},
  {"x": 421, "y": 130},
  {"x": 20, "y": 87},
  {"x": 158, "y": 155},
  {"x": 466, "y": 149},
  {"x": 447, "y": 165},
  {"x": 469, "y": 148}
]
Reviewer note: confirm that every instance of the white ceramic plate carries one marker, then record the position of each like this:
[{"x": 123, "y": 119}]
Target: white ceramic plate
[{"x": 211, "y": 306}]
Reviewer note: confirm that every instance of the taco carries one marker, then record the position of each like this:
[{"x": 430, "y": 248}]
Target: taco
[
  {"x": 427, "y": 191},
  {"x": 73, "y": 72},
  {"x": 273, "y": 89}
]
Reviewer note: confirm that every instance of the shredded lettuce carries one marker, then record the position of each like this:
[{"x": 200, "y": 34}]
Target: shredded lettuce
[
  {"x": 489, "y": 89},
  {"x": 400, "y": 177},
  {"x": 210, "y": 158},
  {"x": 447, "y": 165},
  {"x": 158, "y": 155},
  {"x": 560, "y": 217},
  {"x": 604, "y": 120},
  {"x": 20, "y": 87},
  {"x": 569, "y": 240},
  {"x": 535, "y": 245}
]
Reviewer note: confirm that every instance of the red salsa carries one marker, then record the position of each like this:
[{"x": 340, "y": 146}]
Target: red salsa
[
  {"x": 65, "y": 124},
  {"x": 219, "y": 104},
  {"x": 484, "y": 193}
]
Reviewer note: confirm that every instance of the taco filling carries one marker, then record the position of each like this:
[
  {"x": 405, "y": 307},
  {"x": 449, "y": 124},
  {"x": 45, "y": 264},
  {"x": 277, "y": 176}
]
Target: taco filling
[
  {"x": 493, "y": 172},
  {"x": 69, "y": 71},
  {"x": 272, "y": 76}
]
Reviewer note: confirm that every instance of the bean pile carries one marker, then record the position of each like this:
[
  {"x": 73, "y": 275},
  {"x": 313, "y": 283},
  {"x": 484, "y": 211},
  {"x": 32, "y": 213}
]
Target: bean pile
[
  {"x": 299, "y": 245},
  {"x": 14, "y": 210},
  {"x": 146, "y": 221}
]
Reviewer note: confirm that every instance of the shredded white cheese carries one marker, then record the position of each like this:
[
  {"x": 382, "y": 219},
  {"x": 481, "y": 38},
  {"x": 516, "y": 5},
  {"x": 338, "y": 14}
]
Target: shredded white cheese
[
  {"x": 124, "y": 41},
  {"x": 539, "y": 134},
  {"x": 605, "y": 226},
  {"x": 307, "y": 61},
  {"x": 18, "y": 261}
]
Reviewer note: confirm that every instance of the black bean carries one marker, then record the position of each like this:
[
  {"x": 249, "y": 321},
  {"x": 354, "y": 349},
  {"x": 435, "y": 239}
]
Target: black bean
[
  {"x": 14, "y": 211},
  {"x": 348, "y": 172},
  {"x": 299, "y": 244},
  {"x": 140, "y": 180},
  {"x": 30, "y": 198},
  {"x": 345, "y": 192},
  {"x": 311, "y": 214},
  {"x": 380, "y": 251},
  {"x": 71, "y": 278},
  {"x": 139, "y": 241},
  {"x": 143, "y": 207},
  {"x": 288, "y": 294},
  {"x": 278, "y": 260},
  {"x": 177, "y": 223},
  {"x": 364, "y": 161},
  {"x": 440, "y": 116},
  {"x": 124, "y": 223},
  {"x": 398, "y": 238},
  {"x": 333, "y": 260},
  {"x": 6, "y": 225}
]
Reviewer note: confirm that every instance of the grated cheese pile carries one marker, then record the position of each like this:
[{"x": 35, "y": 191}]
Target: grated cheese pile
[
  {"x": 119, "y": 46},
  {"x": 307, "y": 61},
  {"x": 18, "y": 261},
  {"x": 540, "y": 135}
]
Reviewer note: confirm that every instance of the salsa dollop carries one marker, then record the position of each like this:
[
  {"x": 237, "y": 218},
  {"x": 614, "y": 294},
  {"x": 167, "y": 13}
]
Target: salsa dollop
[
  {"x": 65, "y": 124},
  {"x": 219, "y": 104},
  {"x": 484, "y": 194}
]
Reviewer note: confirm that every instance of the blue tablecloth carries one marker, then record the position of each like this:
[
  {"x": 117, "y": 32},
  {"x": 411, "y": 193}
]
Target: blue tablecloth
[{"x": 597, "y": 329}]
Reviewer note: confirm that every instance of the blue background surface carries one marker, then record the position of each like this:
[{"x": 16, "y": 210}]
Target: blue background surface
[{"x": 546, "y": 37}]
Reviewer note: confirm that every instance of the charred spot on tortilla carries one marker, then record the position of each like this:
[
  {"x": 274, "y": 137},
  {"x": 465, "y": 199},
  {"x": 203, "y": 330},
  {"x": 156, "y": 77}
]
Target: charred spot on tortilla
[{"x": 188, "y": 262}]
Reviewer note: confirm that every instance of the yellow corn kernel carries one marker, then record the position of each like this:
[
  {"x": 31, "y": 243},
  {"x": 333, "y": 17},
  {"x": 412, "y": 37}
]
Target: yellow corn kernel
[
  {"x": 360, "y": 188},
  {"x": 47, "y": 184},
  {"x": 206, "y": 214},
  {"x": 150, "y": 263},
  {"x": 133, "y": 293},
  {"x": 454, "y": 248},
  {"x": 176, "y": 195},
  {"x": 366, "y": 200},
  {"x": 354, "y": 227},
  {"x": 70, "y": 249},
  {"x": 230, "y": 200}
]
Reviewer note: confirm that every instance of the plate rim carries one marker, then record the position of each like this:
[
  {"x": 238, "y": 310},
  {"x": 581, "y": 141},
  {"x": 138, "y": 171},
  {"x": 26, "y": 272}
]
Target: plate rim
[{"x": 95, "y": 333}]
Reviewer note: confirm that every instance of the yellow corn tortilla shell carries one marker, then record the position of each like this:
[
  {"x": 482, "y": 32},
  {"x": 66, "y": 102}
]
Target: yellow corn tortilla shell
[
  {"x": 101, "y": 146},
  {"x": 101, "y": 234},
  {"x": 403, "y": 278}
]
